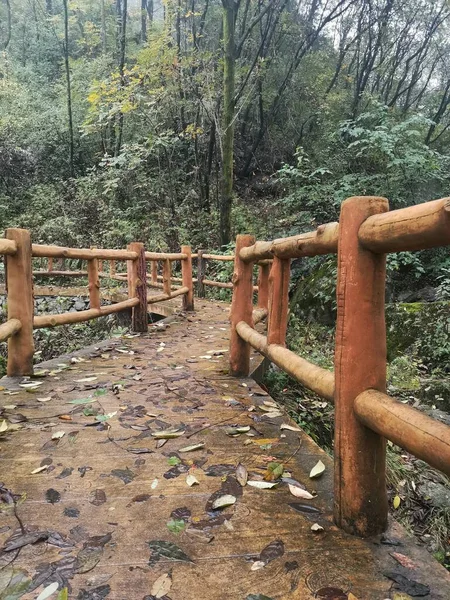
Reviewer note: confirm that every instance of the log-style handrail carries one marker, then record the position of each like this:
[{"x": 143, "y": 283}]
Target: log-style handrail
[
  {"x": 43, "y": 251},
  {"x": 68, "y": 318},
  {"x": 364, "y": 416},
  {"x": 10, "y": 328},
  {"x": 172, "y": 256}
]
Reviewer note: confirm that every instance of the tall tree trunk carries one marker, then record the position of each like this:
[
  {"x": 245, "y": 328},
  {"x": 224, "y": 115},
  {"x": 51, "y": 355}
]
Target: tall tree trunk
[
  {"x": 226, "y": 199},
  {"x": 103, "y": 26},
  {"x": 144, "y": 14},
  {"x": 122, "y": 50},
  {"x": 68, "y": 87}
]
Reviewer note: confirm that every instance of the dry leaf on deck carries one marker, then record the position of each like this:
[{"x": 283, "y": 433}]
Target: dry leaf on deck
[
  {"x": 224, "y": 501},
  {"x": 241, "y": 474},
  {"x": 298, "y": 492},
  {"x": 317, "y": 470},
  {"x": 161, "y": 586},
  {"x": 192, "y": 480}
]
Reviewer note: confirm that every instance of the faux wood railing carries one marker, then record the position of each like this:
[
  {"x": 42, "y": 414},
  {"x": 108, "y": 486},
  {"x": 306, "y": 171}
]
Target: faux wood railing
[
  {"x": 364, "y": 415},
  {"x": 20, "y": 252}
]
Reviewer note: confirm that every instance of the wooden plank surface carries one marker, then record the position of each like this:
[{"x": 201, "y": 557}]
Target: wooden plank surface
[{"x": 105, "y": 488}]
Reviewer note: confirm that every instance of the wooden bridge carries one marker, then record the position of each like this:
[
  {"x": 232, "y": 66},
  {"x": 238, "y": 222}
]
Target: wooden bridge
[{"x": 153, "y": 466}]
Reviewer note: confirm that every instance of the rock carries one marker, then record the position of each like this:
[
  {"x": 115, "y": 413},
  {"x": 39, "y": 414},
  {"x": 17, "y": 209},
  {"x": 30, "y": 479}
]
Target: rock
[
  {"x": 437, "y": 493},
  {"x": 79, "y": 305}
]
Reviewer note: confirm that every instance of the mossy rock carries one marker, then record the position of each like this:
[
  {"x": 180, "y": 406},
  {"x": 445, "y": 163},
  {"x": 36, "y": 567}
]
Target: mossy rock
[{"x": 419, "y": 328}]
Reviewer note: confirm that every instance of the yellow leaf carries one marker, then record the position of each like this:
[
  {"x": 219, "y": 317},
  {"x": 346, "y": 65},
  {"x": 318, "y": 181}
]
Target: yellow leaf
[{"x": 396, "y": 502}]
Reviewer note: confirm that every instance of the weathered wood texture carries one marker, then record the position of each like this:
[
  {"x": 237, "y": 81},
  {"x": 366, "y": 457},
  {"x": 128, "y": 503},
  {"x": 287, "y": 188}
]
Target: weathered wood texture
[
  {"x": 164, "y": 256},
  {"x": 94, "y": 283},
  {"x": 417, "y": 227},
  {"x": 186, "y": 272},
  {"x": 114, "y": 489},
  {"x": 360, "y": 363},
  {"x": 313, "y": 377},
  {"x": 40, "y": 250},
  {"x": 82, "y": 315},
  {"x": 200, "y": 274},
  {"x": 278, "y": 300},
  {"x": 7, "y": 246},
  {"x": 167, "y": 276},
  {"x": 137, "y": 287},
  {"x": 11, "y": 327},
  {"x": 263, "y": 285},
  {"x": 426, "y": 438},
  {"x": 322, "y": 241},
  {"x": 112, "y": 267},
  {"x": 181, "y": 291},
  {"x": 56, "y": 273},
  {"x": 19, "y": 285},
  {"x": 241, "y": 309}
]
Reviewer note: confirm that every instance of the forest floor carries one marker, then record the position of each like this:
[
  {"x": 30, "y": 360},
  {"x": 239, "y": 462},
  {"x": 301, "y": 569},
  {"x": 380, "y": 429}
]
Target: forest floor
[{"x": 97, "y": 461}]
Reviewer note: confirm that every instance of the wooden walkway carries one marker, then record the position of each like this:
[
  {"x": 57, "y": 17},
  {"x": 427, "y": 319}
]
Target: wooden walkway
[{"x": 107, "y": 513}]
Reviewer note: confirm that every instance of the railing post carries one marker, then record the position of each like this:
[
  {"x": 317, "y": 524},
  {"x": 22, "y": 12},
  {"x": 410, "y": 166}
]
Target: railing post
[
  {"x": 50, "y": 264},
  {"x": 241, "y": 308},
  {"x": 167, "y": 274},
  {"x": 19, "y": 285},
  {"x": 278, "y": 300},
  {"x": 112, "y": 268},
  {"x": 94, "y": 283},
  {"x": 200, "y": 274},
  {"x": 186, "y": 276},
  {"x": 263, "y": 285},
  {"x": 360, "y": 499},
  {"x": 154, "y": 279},
  {"x": 137, "y": 287}
]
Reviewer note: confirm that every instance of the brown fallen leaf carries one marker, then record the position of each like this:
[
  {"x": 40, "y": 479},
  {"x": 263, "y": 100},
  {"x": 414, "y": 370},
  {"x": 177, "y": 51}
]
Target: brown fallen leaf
[
  {"x": 162, "y": 586},
  {"x": 241, "y": 474},
  {"x": 65, "y": 417},
  {"x": 405, "y": 561}
]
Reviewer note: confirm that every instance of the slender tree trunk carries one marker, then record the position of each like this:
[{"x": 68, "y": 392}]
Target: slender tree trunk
[
  {"x": 103, "y": 26},
  {"x": 68, "y": 87},
  {"x": 144, "y": 14},
  {"x": 226, "y": 200},
  {"x": 122, "y": 50}
]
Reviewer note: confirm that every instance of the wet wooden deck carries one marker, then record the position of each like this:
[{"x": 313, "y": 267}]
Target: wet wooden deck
[{"x": 112, "y": 516}]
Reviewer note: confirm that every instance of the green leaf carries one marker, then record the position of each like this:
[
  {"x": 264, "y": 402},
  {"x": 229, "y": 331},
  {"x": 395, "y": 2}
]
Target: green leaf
[
  {"x": 83, "y": 400},
  {"x": 174, "y": 461},
  {"x": 176, "y": 525}
]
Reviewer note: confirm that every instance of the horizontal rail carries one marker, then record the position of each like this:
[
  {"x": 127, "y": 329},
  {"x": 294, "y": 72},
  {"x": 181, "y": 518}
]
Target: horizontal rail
[
  {"x": 176, "y": 279},
  {"x": 60, "y": 273},
  {"x": 417, "y": 227},
  {"x": 259, "y": 314},
  {"x": 8, "y": 246},
  {"x": 165, "y": 256},
  {"x": 42, "y": 251},
  {"x": 426, "y": 438},
  {"x": 311, "y": 376},
  {"x": 223, "y": 284},
  {"x": 82, "y": 315},
  {"x": 220, "y": 257},
  {"x": 9, "y": 328},
  {"x": 161, "y": 297},
  {"x": 324, "y": 240}
]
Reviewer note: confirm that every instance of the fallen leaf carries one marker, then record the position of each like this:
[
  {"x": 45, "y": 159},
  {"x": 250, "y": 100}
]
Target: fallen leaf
[
  {"x": 401, "y": 596},
  {"x": 192, "y": 448},
  {"x": 298, "y": 492},
  {"x": 39, "y": 470},
  {"x": 405, "y": 561},
  {"x": 102, "y": 418},
  {"x": 97, "y": 497},
  {"x": 317, "y": 528},
  {"x": 52, "y": 496},
  {"x": 48, "y": 591},
  {"x": 271, "y": 552},
  {"x": 192, "y": 480},
  {"x": 396, "y": 502},
  {"x": 274, "y": 471},
  {"x": 176, "y": 525},
  {"x": 304, "y": 508},
  {"x": 65, "y": 417},
  {"x": 85, "y": 379},
  {"x": 258, "y": 564},
  {"x": 3, "y": 426},
  {"x": 289, "y": 427},
  {"x": 46, "y": 399},
  {"x": 224, "y": 501},
  {"x": 162, "y": 549},
  {"x": 167, "y": 434},
  {"x": 58, "y": 435},
  {"x": 263, "y": 485},
  {"x": 83, "y": 400},
  {"x": 317, "y": 470},
  {"x": 32, "y": 385},
  {"x": 241, "y": 474},
  {"x": 161, "y": 586},
  {"x": 154, "y": 484},
  {"x": 331, "y": 593},
  {"x": 237, "y": 430},
  {"x": 409, "y": 586}
]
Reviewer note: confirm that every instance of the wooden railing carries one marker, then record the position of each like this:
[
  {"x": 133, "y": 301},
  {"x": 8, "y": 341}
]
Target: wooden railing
[
  {"x": 20, "y": 253},
  {"x": 365, "y": 416}
]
